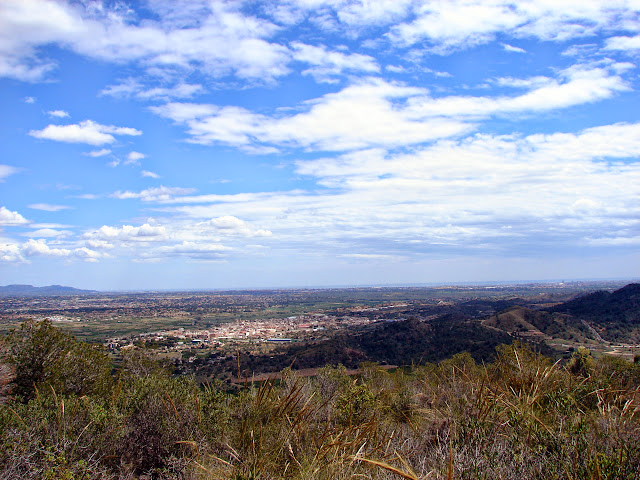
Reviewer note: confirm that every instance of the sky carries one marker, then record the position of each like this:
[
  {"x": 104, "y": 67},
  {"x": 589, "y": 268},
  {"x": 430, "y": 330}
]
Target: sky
[{"x": 256, "y": 144}]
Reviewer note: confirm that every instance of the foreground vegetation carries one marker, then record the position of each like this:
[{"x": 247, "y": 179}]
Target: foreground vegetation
[{"x": 71, "y": 416}]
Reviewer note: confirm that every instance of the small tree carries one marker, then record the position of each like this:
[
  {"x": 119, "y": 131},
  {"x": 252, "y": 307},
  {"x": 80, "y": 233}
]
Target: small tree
[
  {"x": 42, "y": 355},
  {"x": 581, "y": 363}
]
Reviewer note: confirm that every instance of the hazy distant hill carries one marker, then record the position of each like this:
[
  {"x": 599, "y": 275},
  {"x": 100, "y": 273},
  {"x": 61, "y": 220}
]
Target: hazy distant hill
[{"x": 31, "y": 291}]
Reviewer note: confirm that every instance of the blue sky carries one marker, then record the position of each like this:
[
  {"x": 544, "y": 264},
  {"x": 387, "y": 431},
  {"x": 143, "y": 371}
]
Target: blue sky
[{"x": 230, "y": 144}]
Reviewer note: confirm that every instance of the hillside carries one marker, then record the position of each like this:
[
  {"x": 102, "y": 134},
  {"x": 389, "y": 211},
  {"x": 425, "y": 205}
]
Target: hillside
[
  {"x": 616, "y": 315},
  {"x": 539, "y": 324},
  {"x": 620, "y": 306}
]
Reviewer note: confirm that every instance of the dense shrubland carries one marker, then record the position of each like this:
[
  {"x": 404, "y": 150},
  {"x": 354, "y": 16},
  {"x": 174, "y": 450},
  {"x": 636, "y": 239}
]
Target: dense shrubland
[{"x": 522, "y": 416}]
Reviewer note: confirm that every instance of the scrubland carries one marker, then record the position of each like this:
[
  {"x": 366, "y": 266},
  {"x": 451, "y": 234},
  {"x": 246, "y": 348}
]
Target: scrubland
[{"x": 67, "y": 414}]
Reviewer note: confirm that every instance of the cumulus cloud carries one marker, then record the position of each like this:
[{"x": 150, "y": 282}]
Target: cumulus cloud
[
  {"x": 10, "y": 253},
  {"x": 87, "y": 131},
  {"x": 9, "y": 218},
  {"x": 128, "y": 233},
  {"x": 40, "y": 248}
]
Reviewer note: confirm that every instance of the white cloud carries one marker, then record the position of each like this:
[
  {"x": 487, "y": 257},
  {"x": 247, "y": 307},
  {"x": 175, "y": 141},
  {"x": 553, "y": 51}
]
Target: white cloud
[
  {"x": 29, "y": 100},
  {"x": 7, "y": 217},
  {"x": 47, "y": 207},
  {"x": 99, "y": 244},
  {"x": 457, "y": 23},
  {"x": 484, "y": 193},
  {"x": 326, "y": 64},
  {"x": 368, "y": 13},
  {"x": 375, "y": 113},
  {"x": 447, "y": 25},
  {"x": 135, "y": 156},
  {"x": 581, "y": 85},
  {"x": 365, "y": 114},
  {"x": 98, "y": 153},
  {"x": 202, "y": 251},
  {"x": 630, "y": 44},
  {"x": 183, "y": 112},
  {"x": 88, "y": 196},
  {"x": 132, "y": 88},
  {"x": 87, "y": 255},
  {"x": 39, "y": 247},
  {"x": 48, "y": 233},
  {"x": 128, "y": 233},
  {"x": 125, "y": 88},
  {"x": 10, "y": 252},
  {"x": 87, "y": 131},
  {"x": 219, "y": 41},
  {"x": 6, "y": 170},
  {"x": 49, "y": 225},
  {"x": 182, "y": 90},
  {"x": 230, "y": 225},
  {"x": 58, "y": 113},
  {"x": 511, "y": 48},
  {"x": 146, "y": 173},
  {"x": 156, "y": 194}
]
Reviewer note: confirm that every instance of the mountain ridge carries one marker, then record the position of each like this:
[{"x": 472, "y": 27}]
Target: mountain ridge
[{"x": 49, "y": 290}]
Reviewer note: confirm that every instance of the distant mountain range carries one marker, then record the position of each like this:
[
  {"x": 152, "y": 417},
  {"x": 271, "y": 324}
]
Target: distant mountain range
[{"x": 31, "y": 291}]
